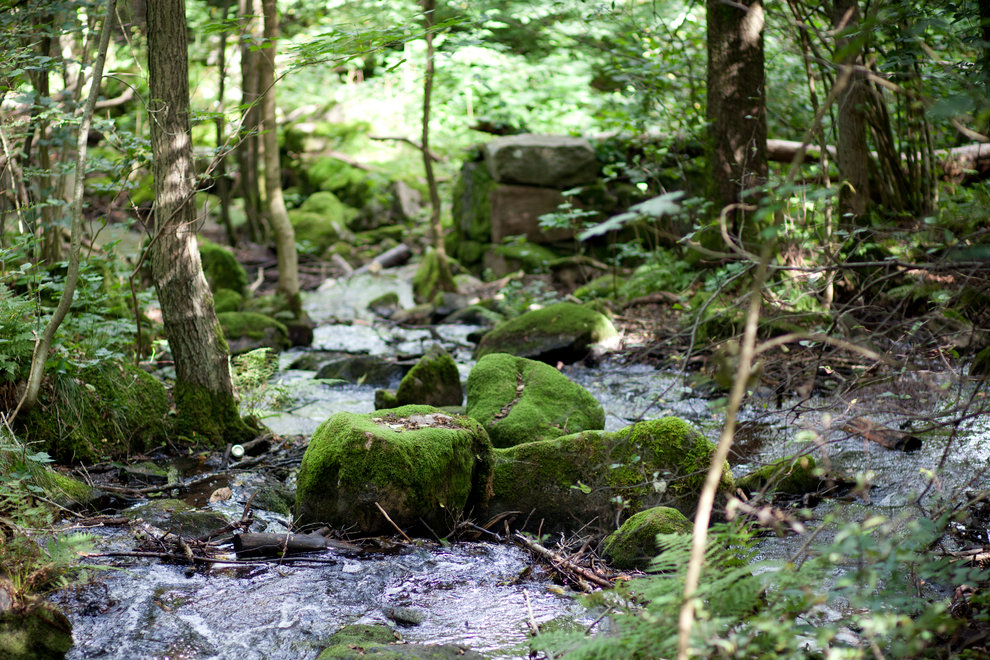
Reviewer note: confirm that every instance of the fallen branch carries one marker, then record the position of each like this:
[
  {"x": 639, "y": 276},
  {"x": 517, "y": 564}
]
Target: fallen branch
[
  {"x": 882, "y": 435},
  {"x": 392, "y": 522},
  {"x": 398, "y": 255},
  {"x": 416, "y": 145},
  {"x": 560, "y": 564}
]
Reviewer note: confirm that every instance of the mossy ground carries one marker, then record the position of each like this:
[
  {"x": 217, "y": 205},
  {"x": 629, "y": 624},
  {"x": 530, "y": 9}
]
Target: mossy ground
[
  {"x": 413, "y": 461},
  {"x": 105, "y": 412},
  {"x": 519, "y": 400},
  {"x": 598, "y": 478},
  {"x": 544, "y": 330}
]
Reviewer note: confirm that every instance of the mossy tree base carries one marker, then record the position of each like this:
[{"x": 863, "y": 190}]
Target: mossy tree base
[{"x": 210, "y": 418}]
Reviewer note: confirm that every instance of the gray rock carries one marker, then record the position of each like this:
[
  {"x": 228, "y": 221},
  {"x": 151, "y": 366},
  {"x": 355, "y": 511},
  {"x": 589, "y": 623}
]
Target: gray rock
[
  {"x": 516, "y": 211},
  {"x": 550, "y": 161}
]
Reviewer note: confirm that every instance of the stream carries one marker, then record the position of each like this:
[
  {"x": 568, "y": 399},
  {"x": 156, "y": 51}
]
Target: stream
[{"x": 477, "y": 595}]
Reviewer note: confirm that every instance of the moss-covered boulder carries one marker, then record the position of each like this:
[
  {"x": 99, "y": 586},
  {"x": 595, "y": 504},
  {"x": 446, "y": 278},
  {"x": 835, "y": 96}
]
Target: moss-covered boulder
[
  {"x": 564, "y": 332},
  {"x": 604, "y": 286},
  {"x": 634, "y": 544},
  {"x": 321, "y": 221},
  {"x": 564, "y": 483},
  {"x": 433, "y": 381},
  {"x": 418, "y": 464},
  {"x": 472, "y": 214},
  {"x": 385, "y": 305},
  {"x": 248, "y": 331},
  {"x": 227, "y": 300},
  {"x": 177, "y": 517},
  {"x": 221, "y": 268},
  {"x": 793, "y": 475},
  {"x": 104, "y": 412},
  {"x": 287, "y": 312},
  {"x": 32, "y": 631},
  {"x": 519, "y": 400},
  {"x": 382, "y": 642}
]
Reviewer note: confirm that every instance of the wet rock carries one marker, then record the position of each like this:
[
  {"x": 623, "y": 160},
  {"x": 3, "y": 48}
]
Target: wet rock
[
  {"x": 221, "y": 268},
  {"x": 177, "y": 517},
  {"x": 248, "y": 331},
  {"x": 365, "y": 369},
  {"x": 418, "y": 464},
  {"x": 519, "y": 400},
  {"x": 380, "y": 641},
  {"x": 475, "y": 315},
  {"x": 793, "y": 475},
  {"x": 32, "y": 631},
  {"x": 598, "y": 477},
  {"x": 433, "y": 381},
  {"x": 564, "y": 332},
  {"x": 406, "y": 616},
  {"x": 634, "y": 544},
  {"x": 144, "y": 473},
  {"x": 553, "y": 161}
]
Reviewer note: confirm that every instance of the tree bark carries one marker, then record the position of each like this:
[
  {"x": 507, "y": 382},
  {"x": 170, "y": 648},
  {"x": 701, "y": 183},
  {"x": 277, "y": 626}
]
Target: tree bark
[
  {"x": 249, "y": 147},
  {"x": 445, "y": 281},
  {"x": 222, "y": 182},
  {"x": 285, "y": 236},
  {"x": 203, "y": 393},
  {"x": 853, "y": 150},
  {"x": 736, "y": 109}
]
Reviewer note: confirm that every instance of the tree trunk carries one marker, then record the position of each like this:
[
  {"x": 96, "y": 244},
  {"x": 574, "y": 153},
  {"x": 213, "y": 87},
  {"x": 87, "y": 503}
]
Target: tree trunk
[
  {"x": 736, "y": 101},
  {"x": 222, "y": 182},
  {"x": 249, "y": 147},
  {"x": 203, "y": 393},
  {"x": 853, "y": 150},
  {"x": 285, "y": 237},
  {"x": 445, "y": 282}
]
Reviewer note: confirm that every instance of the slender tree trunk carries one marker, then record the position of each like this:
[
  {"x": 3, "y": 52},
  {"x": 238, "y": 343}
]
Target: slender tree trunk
[
  {"x": 736, "y": 101},
  {"x": 222, "y": 183},
  {"x": 249, "y": 148},
  {"x": 853, "y": 150},
  {"x": 445, "y": 282},
  {"x": 203, "y": 393},
  {"x": 285, "y": 236},
  {"x": 44, "y": 344}
]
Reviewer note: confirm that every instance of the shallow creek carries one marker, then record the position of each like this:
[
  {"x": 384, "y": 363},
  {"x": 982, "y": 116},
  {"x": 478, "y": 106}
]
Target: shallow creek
[{"x": 479, "y": 595}]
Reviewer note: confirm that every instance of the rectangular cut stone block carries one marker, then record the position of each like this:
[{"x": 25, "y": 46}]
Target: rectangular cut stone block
[
  {"x": 517, "y": 209},
  {"x": 549, "y": 161}
]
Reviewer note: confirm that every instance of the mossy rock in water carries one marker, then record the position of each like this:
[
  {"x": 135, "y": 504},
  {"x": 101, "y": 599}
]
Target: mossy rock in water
[
  {"x": 321, "y": 221},
  {"x": 433, "y": 381},
  {"x": 793, "y": 475},
  {"x": 177, "y": 517},
  {"x": 634, "y": 544},
  {"x": 564, "y": 332},
  {"x": 363, "y": 369},
  {"x": 248, "y": 331},
  {"x": 595, "y": 477},
  {"x": 420, "y": 465},
  {"x": 221, "y": 268},
  {"x": 380, "y": 641},
  {"x": 33, "y": 631},
  {"x": 227, "y": 300},
  {"x": 519, "y": 400},
  {"x": 105, "y": 412}
]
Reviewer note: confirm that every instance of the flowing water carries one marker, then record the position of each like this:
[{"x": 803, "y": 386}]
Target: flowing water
[{"x": 475, "y": 594}]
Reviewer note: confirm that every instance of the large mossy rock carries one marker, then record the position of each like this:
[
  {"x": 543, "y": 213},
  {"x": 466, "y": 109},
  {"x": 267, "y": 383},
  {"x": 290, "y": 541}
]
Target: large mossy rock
[
  {"x": 321, "y": 221},
  {"x": 472, "y": 214},
  {"x": 564, "y": 332},
  {"x": 104, "y": 413},
  {"x": 380, "y": 641},
  {"x": 33, "y": 631},
  {"x": 248, "y": 331},
  {"x": 433, "y": 381},
  {"x": 418, "y": 464},
  {"x": 634, "y": 544},
  {"x": 221, "y": 268},
  {"x": 551, "y": 161},
  {"x": 597, "y": 477},
  {"x": 519, "y": 400}
]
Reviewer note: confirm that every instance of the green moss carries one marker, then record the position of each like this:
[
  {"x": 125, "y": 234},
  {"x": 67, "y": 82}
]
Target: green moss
[
  {"x": 793, "y": 475},
  {"x": 414, "y": 461},
  {"x": 66, "y": 491},
  {"x": 107, "y": 411},
  {"x": 261, "y": 330},
  {"x": 542, "y": 331},
  {"x": 209, "y": 418},
  {"x": 634, "y": 544},
  {"x": 222, "y": 270},
  {"x": 352, "y": 641},
  {"x": 433, "y": 381},
  {"x": 519, "y": 400},
  {"x": 38, "y": 631},
  {"x": 385, "y": 400},
  {"x": 606, "y": 286},
  {"x": 430, "y": 278},
  {"x": 226, "y": 300},
  {"x": 597, "y": 476},
  {"x": 531, "y": 257},
  {"x": 321, "y": 221},
  {"x": 177, "y": 517},
  {"x": 354, "y": 187}
]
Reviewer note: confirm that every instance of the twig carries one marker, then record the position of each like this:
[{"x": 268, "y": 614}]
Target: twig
[
  {"x": 559, "y": 561},
  {"x": 398, "y": 529},
  {"x": 416, "y": 145}
]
